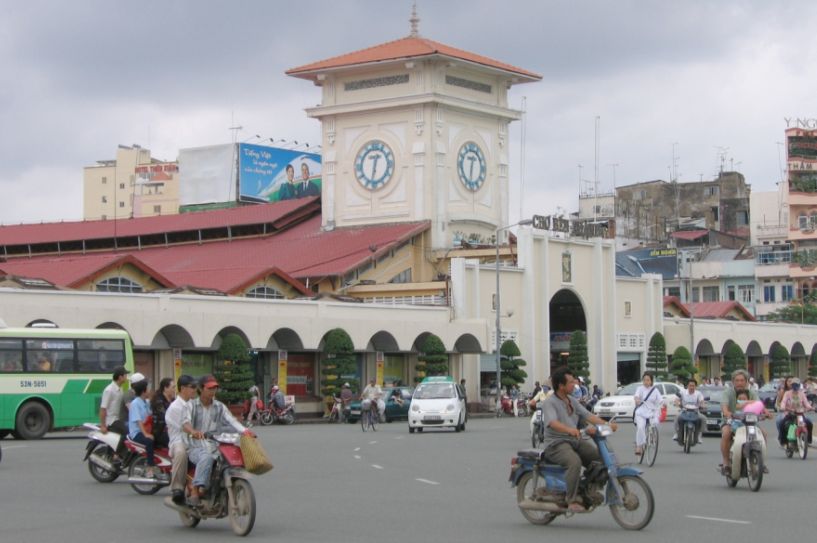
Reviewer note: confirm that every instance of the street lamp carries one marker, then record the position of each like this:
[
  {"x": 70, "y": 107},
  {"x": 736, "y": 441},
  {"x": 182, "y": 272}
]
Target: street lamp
[{"x": 523, "y": 222}]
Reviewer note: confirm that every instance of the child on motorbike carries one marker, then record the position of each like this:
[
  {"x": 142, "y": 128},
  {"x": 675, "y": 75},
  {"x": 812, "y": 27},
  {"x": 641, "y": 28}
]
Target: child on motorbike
[{"x": 138, "y": 414}]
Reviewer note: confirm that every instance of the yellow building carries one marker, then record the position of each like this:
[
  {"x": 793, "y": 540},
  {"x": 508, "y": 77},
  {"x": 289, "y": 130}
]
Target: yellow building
[{"x": 132, "y": 185}]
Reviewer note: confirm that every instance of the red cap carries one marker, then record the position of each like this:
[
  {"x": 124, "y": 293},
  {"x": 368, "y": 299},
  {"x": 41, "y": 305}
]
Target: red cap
[{"x": 208, "y": 381}]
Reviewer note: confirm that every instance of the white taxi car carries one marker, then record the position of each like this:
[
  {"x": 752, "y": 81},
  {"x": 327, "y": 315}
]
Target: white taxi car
[
  {"x": 438, "y": 402},
  {"x": 622, "y": 404}
]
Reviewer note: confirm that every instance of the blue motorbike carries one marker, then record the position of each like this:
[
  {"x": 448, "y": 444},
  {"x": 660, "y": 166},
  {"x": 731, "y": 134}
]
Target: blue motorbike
[
  {"x": 541, "y": 488},
  {"x": 688, "y": 427}
]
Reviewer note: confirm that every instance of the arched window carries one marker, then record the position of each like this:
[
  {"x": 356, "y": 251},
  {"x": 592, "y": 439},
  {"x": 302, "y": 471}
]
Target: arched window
[
  {"x": 267, "y": 293},
  {"x": 118, "y": 284}
]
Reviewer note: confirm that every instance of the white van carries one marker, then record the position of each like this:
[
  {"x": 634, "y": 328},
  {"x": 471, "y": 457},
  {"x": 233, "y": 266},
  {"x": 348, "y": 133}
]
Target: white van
[{"x": 438, "y": 402}]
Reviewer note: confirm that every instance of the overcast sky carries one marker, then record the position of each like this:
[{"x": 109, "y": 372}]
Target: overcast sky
[{"x": 712, "y": 77}]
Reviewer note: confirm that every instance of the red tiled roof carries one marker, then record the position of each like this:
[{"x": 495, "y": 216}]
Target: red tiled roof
[
  {"x": 301, "y": 251},
  {"x": 410, "y": 47},
  {"x": 718, "y": 310},
  {"x": 675, "y": 301},
  {"x": 202, "y": 220},
  {"x": 690, "y": 235}
]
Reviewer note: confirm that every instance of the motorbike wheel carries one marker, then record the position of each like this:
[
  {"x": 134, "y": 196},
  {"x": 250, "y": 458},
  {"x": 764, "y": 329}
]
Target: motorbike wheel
[
  {"x": 802, "y": 445},
  {"x": 100, "y": 474},
  {"x": 688, "y": 437},
  {"x": 754, "y": 470},
  {"x": 242, "y": 510},
  {"x": 525, "y": 490},
  {"x": 266, "y": 418},
  {"x": 289, "y": 418},
  {"x": 533, "y": 439},
  {"x": 191, "y": 521},
  {"x": 789, "y": 450},
  {"x": 137, "y": 469},
  {"x": 638, "y": 503}
]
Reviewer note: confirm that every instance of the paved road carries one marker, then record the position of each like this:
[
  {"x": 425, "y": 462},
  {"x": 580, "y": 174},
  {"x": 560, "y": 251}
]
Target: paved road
[{"x": 335, "y": 483}]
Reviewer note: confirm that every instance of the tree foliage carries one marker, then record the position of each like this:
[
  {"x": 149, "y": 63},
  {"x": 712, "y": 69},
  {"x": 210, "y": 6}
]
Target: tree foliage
[
  {"x": 232, "y": 370},
  {"x": 577, "y": 361},
  {"x": 512, "y": 374},
  {"x": 657, "y": 356},
  {"x": 339, "y": 365},
  {"x": 780, "y": 363},
  {"x": 802, "y": 311},
  {"x": 733, "y": 359},
  {"x": 433, "y": 359},
  {"x": 682, "y": 366}
]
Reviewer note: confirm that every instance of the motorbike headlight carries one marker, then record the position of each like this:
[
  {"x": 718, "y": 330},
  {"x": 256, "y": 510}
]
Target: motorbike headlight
[{"x": 750, "y": 417}]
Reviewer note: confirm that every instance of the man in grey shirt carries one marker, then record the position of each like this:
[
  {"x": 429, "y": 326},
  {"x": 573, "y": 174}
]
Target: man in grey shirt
[{"x": 564, "y": 443}]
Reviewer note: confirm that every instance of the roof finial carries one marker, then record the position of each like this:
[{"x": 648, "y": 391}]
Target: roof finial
[{"x": 414, "y": 20}]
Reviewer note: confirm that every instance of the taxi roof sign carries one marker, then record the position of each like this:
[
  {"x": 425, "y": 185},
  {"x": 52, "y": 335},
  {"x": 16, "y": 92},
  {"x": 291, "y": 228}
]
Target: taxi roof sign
[{"x": 439, "y": 379}]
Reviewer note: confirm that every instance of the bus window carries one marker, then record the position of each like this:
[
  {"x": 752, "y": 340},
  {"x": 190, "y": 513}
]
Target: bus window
[{"x": 11, "y": 361}]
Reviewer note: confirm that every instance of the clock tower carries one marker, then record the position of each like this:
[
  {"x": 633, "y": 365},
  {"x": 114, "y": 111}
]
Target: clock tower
[{"x": 415, "y": 130}]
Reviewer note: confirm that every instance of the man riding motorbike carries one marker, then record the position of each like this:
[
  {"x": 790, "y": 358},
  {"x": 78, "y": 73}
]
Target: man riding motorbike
[
  {"x": 179, "y": 431},
  {"x": 691, "y": 396},
  {"x": 562, "y": 413},
  {"x": 209, "y": 416},
  {"x": 740, "y": 385}
]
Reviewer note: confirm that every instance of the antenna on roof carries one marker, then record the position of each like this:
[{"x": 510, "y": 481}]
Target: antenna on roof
[{"x": 414, "y": 21}]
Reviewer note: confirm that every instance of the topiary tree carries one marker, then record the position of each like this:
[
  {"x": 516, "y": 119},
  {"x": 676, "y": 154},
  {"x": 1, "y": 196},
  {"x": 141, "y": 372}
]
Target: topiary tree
[
  {"x": 682, "y": 366},
  {"x": 339, "y": 361},
  {"x": 433, "y": 359},
  {"x": 512, "y": 374},
  {"x": 780, "y": 364},
  {"x": 812, "y": 365},
  {"x": 657, "y": 356},
  {"x": 232, "y": 371},
  {"x": 733, "y": 359},
  {"x": 577, "y": 361}
]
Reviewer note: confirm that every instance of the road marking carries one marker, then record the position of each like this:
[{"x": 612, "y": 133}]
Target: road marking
[
  {"x": 399, "y": 437},
  {"x": 375, "y": 466},
  {"x": 731, "y": 521},
  {"x": 372, "y": 442},
  {"x": 15, "y": 447},
  {"x": 357, "y": 449},
  {"x": 357, "y": 457},
  {"x": 426, "y": 481}
]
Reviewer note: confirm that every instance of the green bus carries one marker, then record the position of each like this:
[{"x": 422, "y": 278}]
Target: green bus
[{"x": 53, "y": 377}]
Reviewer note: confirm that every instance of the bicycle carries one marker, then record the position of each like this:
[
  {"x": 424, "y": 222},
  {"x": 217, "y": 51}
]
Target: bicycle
[
  {"x": 651, "y": 446},
  {"x": 369, "y": 415}
]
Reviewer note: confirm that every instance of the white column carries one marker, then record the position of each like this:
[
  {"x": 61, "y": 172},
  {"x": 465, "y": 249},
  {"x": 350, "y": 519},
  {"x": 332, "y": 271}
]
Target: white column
[
  {"x": 595, "y": 335},
  {"x": 328, "y": 189},
  {"x": 541, "y": 336},
  {"x": 609, "y": 365},
  {"x": 459, "y": 288},
  {"x": 526, "y": 249}
]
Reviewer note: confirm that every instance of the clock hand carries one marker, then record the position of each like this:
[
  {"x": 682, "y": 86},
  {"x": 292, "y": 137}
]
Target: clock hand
[
  {"x": 471, "y": 171},
  {"x": 374, "y": 159}
]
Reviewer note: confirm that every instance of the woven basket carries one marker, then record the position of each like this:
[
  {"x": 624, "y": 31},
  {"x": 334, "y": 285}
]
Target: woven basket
[{"x": 255, "y": 458}]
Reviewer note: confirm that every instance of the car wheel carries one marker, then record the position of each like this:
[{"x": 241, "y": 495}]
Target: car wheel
[{"x": 411, "y": 430}]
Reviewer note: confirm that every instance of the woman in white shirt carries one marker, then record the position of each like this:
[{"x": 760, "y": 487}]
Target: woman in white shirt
[{"x": 647, "y": 406}]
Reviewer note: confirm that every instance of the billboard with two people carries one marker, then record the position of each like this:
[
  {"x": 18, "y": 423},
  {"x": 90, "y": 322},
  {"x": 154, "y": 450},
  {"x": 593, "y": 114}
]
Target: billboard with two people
[{"x": 270, "y": 174}]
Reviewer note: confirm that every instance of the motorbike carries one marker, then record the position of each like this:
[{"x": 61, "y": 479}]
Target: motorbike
[
  {"x": 337, "y": 414},
  {"x": 230, "y": 493},
  {"x": 687, "y": 429},
  {"x": 273, "y": 414},
  {"x": 541, "y": 487},
  {"x": 506, "y": 406},
  {"x": 797, "y": 436},
  {"x": 747, "y": 452},
  {"x": 99, "y": 453},
  {"x": 537, "y": 430}
]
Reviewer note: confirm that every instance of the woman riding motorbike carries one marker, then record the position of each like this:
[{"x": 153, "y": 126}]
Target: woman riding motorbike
[{"x": 794, "y": 401}]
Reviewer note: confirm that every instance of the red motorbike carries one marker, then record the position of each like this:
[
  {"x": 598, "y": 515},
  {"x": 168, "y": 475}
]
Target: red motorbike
[
  {"x": 506, "y": 407},
  {"x": 137, "y": 469},
  {"x": 271, "y": 414},
  {"x": 230, "y": 493}
]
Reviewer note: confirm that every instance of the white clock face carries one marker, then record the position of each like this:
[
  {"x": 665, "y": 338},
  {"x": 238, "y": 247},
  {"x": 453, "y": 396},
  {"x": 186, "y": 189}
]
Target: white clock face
[
  {"x": 374, "y": 165},
  {"x": 471, "y": 167}
]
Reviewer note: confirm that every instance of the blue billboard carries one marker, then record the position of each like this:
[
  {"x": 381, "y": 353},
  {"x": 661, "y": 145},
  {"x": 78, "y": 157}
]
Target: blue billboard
[{"x": 269, "y": 174}]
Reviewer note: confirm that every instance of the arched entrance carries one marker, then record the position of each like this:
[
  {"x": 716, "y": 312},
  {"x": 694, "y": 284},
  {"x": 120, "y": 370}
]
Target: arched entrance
[{"x": 566, "y": 316}]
